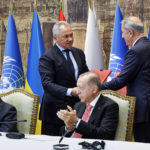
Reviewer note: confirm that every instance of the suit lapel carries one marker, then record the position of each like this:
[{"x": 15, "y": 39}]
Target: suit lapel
[
  {"x": 97, "y": 109},
  {"x": 81, "y": 110},
  {"x": 64, "y": 62}
]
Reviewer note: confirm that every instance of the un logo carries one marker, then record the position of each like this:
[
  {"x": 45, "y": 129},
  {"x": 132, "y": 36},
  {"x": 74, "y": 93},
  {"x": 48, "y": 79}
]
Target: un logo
[
  {"x": 115, "y": 65},
  {"x": 12, "y": 75}
]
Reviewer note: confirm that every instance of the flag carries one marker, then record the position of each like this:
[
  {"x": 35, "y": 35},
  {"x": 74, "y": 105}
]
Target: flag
[
  {"x": 118, "y": 47},
  {"x": 93, "y": 50},
  {"x": 36, "y": 49},
  {"x": 61, "y": 16},
  {"x": 149, "y": 35},
  {"x": 12, "y": 71}
]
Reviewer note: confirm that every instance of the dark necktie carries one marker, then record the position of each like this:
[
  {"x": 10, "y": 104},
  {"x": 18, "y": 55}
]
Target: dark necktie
[
  {"x": 85, "y": 118},
  {"x": 69, "y": 61}
]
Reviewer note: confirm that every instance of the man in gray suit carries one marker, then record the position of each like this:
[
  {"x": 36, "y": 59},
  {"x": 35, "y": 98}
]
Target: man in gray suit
[
  {"x": 100, "y": 122},
  {"x": 135, "y": 74}
]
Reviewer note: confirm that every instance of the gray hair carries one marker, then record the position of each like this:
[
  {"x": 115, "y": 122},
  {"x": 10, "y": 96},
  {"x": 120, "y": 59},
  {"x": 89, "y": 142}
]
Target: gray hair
[
  {"x": 93, "y": 79},
  {"x": 56, "y": 27},
  {"x": 137, "y": 27}
]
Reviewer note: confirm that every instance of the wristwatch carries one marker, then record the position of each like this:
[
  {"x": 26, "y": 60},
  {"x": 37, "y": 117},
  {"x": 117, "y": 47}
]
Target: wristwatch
[{"x": 75, "y": 123}]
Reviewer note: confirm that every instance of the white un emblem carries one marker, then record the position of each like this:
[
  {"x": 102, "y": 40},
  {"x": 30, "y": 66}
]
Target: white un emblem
[
  {"x": 115, "y": 65},
  {"x": 12, "y": 75}
]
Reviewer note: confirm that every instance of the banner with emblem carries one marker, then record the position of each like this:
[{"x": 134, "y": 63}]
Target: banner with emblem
[
  {"x": 118, "y": 47},
  {"x": 12, "y": 71}
]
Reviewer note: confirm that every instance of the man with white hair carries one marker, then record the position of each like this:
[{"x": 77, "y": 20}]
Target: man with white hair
[
  {"x": 59, "y": 69},
  {"x": 135, "y": 74}
]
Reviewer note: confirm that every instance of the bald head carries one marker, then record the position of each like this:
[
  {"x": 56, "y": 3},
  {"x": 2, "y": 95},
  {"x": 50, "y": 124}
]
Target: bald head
[{"x": 92, "y": 78}]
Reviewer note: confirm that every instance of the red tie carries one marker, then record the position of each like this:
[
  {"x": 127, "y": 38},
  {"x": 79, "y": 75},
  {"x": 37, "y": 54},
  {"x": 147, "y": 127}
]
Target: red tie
[{"x": 85, "y": 118}]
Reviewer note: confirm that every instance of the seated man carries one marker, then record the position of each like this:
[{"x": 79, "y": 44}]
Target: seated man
[
  {"x": 96, "y": 116},
  {"x": 8, "y": 113}
]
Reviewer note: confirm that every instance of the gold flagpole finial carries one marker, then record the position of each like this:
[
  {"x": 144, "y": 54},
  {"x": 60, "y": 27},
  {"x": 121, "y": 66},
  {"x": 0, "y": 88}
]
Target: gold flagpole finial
[
  {"x": 11, "y": 6},
  {"x": 61, "y": 4},
  {"x": 90, "y": 4},
  {"x": 35, "y": 5},
  {"x": 118, "y": 1}
]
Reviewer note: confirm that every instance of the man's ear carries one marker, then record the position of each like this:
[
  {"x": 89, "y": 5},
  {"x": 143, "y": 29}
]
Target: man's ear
[
  {"x": 131, "y": 33},
  {"x": 95, "y": 89},
  {"x": 55, "y": 37}
]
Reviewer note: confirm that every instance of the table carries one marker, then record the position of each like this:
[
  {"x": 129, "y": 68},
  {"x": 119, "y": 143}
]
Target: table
[{"x": 43, "y": 142}]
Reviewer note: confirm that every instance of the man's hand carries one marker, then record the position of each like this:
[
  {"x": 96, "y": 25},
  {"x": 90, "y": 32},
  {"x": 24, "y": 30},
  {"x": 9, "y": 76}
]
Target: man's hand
[
  {"x": 68, "y": 116},
  {"x": 74, "y": 91}
]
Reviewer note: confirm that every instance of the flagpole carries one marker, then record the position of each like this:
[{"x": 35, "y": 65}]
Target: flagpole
[
  {"x": 61, "y": 5},
  {"x": 35, "y": 5},
  {"x": 118, "y": 1},
  {"x": 90, "y": 4},
  {"x": 11, "y": 6},
  {"x": 61, "y": 14}
]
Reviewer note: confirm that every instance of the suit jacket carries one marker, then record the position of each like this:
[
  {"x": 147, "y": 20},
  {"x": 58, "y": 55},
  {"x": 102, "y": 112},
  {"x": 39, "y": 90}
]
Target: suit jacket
[
  {"x": 7, "y": 113},
  {"x": 57, "y": 77},
  {"x": 103, "y": 121},
  {"x": 135, "y": 74}
]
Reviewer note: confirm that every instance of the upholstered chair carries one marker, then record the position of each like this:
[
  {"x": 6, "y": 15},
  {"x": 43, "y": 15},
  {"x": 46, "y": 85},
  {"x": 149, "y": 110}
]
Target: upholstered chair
[
  {"x": 126, "y": 114},
  {"x": 26, "y": 104}
]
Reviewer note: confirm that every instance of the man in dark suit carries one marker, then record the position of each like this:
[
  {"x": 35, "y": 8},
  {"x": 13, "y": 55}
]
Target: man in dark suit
[
  {"x": 59, "y": 69},
  {"x": 135, "y": 74},
  {"x": 7, "y": 113},
  {"x": 100, "y": 122}
]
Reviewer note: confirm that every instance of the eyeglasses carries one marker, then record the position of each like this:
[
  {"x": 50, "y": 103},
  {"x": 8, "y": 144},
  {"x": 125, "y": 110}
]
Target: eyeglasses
[{"x": 96, "y": 145}]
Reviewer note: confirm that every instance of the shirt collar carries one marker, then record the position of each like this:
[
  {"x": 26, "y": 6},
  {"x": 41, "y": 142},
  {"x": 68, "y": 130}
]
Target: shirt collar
[
  {"x": 60, "y": 48},
  {"x": 93, "y": 103}
]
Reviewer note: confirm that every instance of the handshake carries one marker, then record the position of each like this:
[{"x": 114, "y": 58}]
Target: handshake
[{"x": 75, "y": 91}]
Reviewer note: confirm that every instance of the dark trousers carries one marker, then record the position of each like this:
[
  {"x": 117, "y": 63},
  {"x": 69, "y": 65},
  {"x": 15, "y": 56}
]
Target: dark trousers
[
  {"x": 50, "y": 129},
  {"x": 142, "y": 132}
]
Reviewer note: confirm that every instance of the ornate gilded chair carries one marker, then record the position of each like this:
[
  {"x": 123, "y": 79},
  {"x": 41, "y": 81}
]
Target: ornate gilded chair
[
  {"x": 126, "y": 114},
  {"x": 26, "y": 104}
]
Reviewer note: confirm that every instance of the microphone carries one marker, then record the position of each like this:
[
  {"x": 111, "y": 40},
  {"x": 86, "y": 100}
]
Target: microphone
[
  {"x": 62, "y": 146},
  {"x": 14, "y": 135},
  {"x": 13, "y": 121},
  {"x": 66, "y": 132},
  {"x": 63, "y": 136}
]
